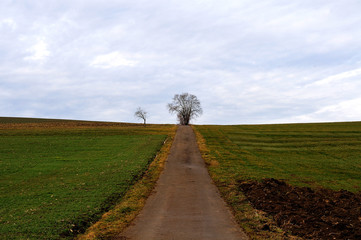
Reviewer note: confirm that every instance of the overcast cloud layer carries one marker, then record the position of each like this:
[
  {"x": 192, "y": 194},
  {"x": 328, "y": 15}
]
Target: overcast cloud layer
[{"x": 250, "y": 61}]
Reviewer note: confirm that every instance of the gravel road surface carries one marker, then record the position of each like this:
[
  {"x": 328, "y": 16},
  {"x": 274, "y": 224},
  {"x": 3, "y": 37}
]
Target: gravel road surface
[{"x": 185, "y": 203}]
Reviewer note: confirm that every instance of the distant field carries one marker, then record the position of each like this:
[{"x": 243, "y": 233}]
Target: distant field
[
  {"x": 56, "y": 177},
  {"x": 324, "y": 154},
  {"x": 29, "y": 120}
]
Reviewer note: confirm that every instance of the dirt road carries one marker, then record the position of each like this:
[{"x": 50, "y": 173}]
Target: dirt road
[{"x": 185, "y": 203}]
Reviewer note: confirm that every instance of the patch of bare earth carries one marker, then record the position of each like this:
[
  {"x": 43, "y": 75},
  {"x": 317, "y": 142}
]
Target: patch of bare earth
[{"x": 308, "y": 213}]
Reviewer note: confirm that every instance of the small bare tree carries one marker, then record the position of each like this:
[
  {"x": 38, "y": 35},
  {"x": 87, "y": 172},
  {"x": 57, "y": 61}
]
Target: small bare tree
[
  {"x": 141, "y": 114},
  {"x": 187, "y": 107}
]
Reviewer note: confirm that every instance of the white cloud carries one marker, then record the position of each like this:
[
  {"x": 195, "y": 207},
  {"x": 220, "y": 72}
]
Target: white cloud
[
  {"x": 343, "y": 111},
  {"x": 38, "y": 52},
  {"x": 349, "y": 110},
  {"x": 8, "y": 22},
  {"x": 112, "y": 60},
  {"x": 339, "y": 77},
  {"x": 248, "y": 61}
]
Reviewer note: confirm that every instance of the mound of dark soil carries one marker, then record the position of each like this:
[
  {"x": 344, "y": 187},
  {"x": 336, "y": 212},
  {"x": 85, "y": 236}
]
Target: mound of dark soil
[{"x": 308, "y": 213}]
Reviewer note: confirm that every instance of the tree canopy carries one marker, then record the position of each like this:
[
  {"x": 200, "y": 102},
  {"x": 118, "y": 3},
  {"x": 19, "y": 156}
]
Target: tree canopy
[{"x": 186, "y": 106}]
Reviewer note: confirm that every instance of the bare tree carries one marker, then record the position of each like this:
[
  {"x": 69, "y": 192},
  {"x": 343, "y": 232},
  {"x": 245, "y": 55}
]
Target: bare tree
[
  {"x": 187, "y": 107},
  {"x": 141, "y": 114}
]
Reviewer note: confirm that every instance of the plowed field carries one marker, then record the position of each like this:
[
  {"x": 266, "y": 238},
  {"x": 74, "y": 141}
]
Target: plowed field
[
  {"x": 306, "y": 212},
  {"x": 316, "y": 161}
]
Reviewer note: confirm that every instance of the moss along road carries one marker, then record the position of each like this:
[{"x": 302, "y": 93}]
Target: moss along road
[{"x": 185, "y": 204}]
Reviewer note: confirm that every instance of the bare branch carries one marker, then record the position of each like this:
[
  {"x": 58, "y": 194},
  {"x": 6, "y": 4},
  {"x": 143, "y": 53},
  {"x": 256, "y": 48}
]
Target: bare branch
[
  {"x": 187, "y": 107},
  {"x": 141, "y": 114}
]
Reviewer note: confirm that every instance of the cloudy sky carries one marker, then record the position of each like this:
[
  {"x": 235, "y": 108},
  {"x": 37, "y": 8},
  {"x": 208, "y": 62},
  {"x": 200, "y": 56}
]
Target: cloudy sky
[{"x": 267, "y": 61}]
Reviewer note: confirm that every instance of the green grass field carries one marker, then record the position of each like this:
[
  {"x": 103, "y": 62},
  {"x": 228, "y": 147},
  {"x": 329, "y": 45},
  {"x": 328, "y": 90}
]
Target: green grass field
[
  {"x": 58, "y": 177},
  {"x": 324, "y": 154}
]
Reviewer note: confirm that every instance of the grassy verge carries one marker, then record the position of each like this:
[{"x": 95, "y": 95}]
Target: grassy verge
[
  {"x": 116, "y": 220},
  {"x": 315, "y": 155},
  {"x": 56, "y": 178}
]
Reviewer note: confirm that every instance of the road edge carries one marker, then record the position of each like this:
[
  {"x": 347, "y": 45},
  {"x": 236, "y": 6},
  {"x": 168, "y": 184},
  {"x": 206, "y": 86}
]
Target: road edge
[
  {"x": 112, "y": 223},
  {"x": 251, "y": 221}
]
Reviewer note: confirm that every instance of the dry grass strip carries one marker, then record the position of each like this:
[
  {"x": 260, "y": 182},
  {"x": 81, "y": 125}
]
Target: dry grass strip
[
  {"x": 256, "y": 224},
  {"x": 116, "y": 220}
]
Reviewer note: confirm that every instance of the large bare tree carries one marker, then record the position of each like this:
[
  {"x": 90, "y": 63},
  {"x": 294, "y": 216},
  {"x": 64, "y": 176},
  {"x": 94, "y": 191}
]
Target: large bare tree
[
  {"x": 186, "y": 106},
  {"x": 141, "y": 114}
]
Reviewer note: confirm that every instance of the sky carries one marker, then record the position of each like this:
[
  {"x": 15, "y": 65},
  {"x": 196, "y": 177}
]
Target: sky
[{"x": 248, "y": 62}]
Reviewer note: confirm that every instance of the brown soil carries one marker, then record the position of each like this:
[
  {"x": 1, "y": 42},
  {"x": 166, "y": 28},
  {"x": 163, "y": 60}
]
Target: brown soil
[
  {"x": 185, "y": 203},
  {"x": 62, "y": 124},
  {"x": 308, "y": 213}
]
